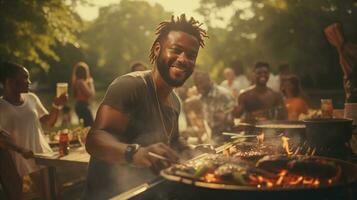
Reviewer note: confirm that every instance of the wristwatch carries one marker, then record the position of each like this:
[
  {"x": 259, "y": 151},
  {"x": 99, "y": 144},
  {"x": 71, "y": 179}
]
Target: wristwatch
[{"x": 130, "y": 150}]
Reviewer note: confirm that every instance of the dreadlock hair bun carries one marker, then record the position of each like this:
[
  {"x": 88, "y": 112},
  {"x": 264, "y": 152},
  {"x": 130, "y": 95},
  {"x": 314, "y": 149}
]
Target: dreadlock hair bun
[{"x": 191, "y": 26}]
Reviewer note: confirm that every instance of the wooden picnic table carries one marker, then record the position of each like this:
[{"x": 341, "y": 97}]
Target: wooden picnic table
[{"x": 77, "y": 156}]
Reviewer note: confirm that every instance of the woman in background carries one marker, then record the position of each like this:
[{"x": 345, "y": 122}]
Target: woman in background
[
  {"x": 83, "y": 90},
  {"x": 294, "y": 98}
]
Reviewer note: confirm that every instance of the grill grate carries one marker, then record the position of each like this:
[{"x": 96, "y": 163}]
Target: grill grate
[{"x": 167, "y": 190}]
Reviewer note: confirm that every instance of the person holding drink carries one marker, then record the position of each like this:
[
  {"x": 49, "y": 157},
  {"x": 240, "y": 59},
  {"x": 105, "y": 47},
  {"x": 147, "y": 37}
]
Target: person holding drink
[
  {"x": 61, "y": 88},
  {"x": 21, "y": 117},
  {"x": 83, "y": 90}
]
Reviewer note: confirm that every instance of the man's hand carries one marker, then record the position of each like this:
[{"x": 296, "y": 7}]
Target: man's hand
[
  {"x": 26, "y": 153},
  {"x": 143, "y": 159},
  {"x": 61, "y": 100}
]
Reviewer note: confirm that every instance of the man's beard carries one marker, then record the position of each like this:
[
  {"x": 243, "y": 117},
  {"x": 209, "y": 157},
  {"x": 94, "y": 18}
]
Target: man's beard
[{"x": 164, "y": 70}]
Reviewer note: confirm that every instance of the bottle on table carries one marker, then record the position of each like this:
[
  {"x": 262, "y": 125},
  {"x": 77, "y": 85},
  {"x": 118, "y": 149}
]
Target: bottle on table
[{"x": 64, "y": 142}]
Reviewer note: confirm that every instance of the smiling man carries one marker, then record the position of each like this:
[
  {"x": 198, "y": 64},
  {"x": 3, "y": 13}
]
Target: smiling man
[
  {"x": 259, "y": 102},
  {"x": 139, "y": 114}
]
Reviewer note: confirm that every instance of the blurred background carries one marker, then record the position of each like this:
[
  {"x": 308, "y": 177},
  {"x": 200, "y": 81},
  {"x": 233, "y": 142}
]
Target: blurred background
[{"x": 49, "y": 37}]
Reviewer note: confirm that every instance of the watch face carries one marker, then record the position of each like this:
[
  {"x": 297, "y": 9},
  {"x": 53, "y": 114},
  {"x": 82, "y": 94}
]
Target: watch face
[
  {"x": 135, "y": 146},
  {"x": 130, "y": 150}
]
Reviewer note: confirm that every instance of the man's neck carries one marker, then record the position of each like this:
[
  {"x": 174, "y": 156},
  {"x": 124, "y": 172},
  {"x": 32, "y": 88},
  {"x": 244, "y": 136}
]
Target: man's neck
[
  {"x": 163, "y": 89},
  {"x": 261, "y": 87},
  {"x": 12, "y": 98}
]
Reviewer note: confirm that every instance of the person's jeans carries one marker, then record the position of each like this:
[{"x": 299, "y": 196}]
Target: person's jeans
[{"x": 83, "y": 112}]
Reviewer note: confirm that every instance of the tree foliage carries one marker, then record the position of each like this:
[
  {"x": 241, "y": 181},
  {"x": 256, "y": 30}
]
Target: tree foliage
[
  {"x": 282, "y": 31},
  {"x": 121, "y": 34},
  {"x": 48, "y": 36},
  {"x": 30, "y": 29}
]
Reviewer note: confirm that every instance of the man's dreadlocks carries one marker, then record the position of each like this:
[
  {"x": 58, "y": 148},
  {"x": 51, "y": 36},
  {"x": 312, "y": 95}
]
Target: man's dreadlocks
[{"x": 192, "y": 27}]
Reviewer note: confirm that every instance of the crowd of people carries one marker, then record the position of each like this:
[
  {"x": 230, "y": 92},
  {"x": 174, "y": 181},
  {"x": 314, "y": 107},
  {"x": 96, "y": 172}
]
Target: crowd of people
[
  {"x": 209, "y": 108},
  {"x": 140, "y": 112}
]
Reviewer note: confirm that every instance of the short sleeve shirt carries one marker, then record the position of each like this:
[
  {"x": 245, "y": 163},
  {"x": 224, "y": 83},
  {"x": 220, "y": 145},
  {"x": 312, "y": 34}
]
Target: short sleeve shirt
[
  {"x": 23, "y": 124},
  {"x": 133, "y": 94},
  {"x": 218, "y": 100}
]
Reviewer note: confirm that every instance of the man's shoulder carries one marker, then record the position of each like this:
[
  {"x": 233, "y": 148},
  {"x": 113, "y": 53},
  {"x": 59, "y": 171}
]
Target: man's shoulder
[
  {"x": 29, "y": 96},
  {"x": 275, "y": 93},
  {"x": 137, "y": 74},
  {"x": 222, "y": 90},
  {"x": 248, "y": 90},
  {"x": 224, "y": 83},
  {"x": 131, "y": 79},
  {"x": 126, "y": 91}
]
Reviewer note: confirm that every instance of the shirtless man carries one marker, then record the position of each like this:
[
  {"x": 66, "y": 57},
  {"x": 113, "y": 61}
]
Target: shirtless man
[{"x": 259, "y": 102}]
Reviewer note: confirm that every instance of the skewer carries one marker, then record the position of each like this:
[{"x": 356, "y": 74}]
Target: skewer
[
  {"x": 161, "y": 157},
  {"x": 243, "y": 136},
  {"x": 238, "y": 135},
  {"x": 231, "y": 134},
  {"x": 158, "y": 156}
]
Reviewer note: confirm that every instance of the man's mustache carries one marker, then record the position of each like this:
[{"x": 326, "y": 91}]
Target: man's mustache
[{"x": 181, "y": 66}]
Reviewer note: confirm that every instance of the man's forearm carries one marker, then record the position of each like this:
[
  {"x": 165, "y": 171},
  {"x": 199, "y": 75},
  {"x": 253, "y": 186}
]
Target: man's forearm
[
  {"x": 6, "y": 143},
  {"x": 103, "y": 146},
  {"x": 50, "y": 119}
]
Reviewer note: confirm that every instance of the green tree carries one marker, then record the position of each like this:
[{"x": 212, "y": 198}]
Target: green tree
[
  {"x": 283, "y": 31},
  {"x": 121, "y": 34},
  {"x": 30, "y": 29}
]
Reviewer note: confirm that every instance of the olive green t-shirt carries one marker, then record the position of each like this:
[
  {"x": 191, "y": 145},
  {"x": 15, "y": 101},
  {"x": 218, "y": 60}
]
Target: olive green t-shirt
[{"x": 133, "y": 94}]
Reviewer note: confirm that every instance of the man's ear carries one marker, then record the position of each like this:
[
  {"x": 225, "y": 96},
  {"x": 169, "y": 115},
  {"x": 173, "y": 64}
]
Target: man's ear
[{"x": 157, "y": 49}]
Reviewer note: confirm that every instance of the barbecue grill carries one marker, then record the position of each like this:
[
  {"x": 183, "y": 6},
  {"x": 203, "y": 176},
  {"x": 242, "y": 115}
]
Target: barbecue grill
[{"x": 177, "y": 187}]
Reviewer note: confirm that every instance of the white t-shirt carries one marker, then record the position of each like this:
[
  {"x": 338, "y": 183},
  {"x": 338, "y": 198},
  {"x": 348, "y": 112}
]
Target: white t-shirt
[
  {"x": 274, "y": 82},
  {"x": 239, "y": 83},
  {"x": 23, "y": 124}
]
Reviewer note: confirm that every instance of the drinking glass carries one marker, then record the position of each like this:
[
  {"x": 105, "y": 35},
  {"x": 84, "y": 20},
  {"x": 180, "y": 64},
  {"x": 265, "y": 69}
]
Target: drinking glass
[
  {"x": 326, "y": 108},
  {"x": 62, "y": 88}
]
